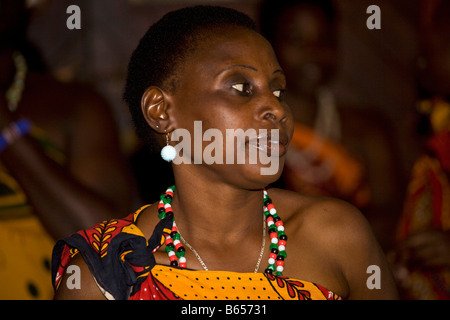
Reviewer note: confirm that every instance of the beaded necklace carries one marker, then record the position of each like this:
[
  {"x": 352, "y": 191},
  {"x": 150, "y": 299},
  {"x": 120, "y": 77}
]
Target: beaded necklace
[
  {"x": 14, "y": 92},
  {"x": 278, "y": 238}
]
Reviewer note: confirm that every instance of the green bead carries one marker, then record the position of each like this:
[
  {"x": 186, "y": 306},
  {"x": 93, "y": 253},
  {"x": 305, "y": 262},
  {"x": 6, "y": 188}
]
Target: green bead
[
  {"x": 168, "y": 249},
  {"x": 282, "y": 253},
  {"x": 176, "y": 236},
  {"x": 271, "y": 267},
  {"x": 162, "y": 215},
  {"x": 273, "y": 246},
  {"x": 278, "y": 273},
  {"x": 180, "y": 254},
  {"x": 280, "y": 233}
]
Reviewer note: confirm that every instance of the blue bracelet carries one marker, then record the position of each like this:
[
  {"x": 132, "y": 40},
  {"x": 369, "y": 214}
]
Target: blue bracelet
[{"x": 13, "y": 132}]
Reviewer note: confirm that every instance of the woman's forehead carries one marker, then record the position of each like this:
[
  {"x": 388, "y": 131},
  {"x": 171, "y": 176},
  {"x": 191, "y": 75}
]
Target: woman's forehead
[{"x": 235, "y": 45}]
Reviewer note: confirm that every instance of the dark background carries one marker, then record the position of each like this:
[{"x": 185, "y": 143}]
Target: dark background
[{"x": 376, "y": 68}]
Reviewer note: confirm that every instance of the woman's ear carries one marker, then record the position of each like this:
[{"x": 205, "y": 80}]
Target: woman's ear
[{"x": 154, "y": 108}]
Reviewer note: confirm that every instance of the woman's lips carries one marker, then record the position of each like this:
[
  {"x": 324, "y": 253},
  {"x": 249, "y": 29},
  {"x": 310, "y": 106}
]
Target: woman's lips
[{"x": 272, "y": 146}]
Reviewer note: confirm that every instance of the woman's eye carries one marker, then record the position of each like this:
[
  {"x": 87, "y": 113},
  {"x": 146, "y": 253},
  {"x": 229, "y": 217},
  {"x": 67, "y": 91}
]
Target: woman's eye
[{"x": 243, "y": 88}]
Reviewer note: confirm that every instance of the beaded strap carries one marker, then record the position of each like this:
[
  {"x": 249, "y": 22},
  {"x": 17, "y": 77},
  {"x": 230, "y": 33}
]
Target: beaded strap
[
  {"x": 13, "y": 132},
  {"x": 278, "y": 238},
  {"x": 174, "y": 247}
]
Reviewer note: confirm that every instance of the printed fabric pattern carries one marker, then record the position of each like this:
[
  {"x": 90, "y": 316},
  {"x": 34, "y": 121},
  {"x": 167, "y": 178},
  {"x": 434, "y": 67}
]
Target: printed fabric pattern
[{"x": 123, "y": 265}]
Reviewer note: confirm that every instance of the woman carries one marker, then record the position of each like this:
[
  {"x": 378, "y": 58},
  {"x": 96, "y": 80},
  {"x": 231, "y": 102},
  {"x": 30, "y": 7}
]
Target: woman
[{"x": 209, "y": 64}]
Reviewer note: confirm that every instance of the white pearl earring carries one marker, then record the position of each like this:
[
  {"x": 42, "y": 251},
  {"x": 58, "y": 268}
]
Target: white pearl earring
[{"x": 168, "y": 153}]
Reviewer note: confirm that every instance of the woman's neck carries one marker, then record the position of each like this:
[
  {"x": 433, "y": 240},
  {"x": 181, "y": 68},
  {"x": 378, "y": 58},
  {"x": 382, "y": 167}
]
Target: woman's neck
[{"x": 217, "y": 211}]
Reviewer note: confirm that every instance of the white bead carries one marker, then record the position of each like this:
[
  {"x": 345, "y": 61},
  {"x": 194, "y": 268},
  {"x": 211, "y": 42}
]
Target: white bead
[
  {"x": 171, "y": 253},
  {"x": 280, "y": 268},
  {"x": 175, "y": 242},
  {"x": 182, "y": 259},
  {"x": 270, "y": 223},
  {"x": 280, "y": 228},
  {"x": 167, "y": 205},
  {"x": 168, "y": 153},
  {"x": 274, "y": 240},
  {"x": 271, "y": 261},
  {"x": 281, "y": 248},
  {"x": 273, "y": 211}
]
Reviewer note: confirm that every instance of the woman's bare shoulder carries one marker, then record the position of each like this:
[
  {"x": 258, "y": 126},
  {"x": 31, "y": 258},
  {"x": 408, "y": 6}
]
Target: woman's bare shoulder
[
  {"x": 313, "y": 209},
  {"x": 339, "y": 231},
  {"x": 325, "y": 220}
]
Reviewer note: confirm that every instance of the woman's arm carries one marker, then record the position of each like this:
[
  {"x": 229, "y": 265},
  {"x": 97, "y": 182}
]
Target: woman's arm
[
  {"x": 359, "y": 256},
  {"x": 78, "y": 283}
]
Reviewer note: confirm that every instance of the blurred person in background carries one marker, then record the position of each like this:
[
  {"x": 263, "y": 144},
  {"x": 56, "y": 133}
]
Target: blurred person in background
[
  {"x": 422, "y": 264},
  {"x": 337, "y": 150},
  {"x": 61, "y": 167}
]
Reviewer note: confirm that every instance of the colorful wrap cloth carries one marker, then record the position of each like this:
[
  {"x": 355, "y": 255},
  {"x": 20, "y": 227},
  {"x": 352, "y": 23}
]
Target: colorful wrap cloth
[{"x": 123, "y": 265}]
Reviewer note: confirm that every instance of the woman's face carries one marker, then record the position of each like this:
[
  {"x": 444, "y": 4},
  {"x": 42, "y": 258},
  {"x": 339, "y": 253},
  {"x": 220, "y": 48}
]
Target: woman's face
[{"x": 233, "y": 82}]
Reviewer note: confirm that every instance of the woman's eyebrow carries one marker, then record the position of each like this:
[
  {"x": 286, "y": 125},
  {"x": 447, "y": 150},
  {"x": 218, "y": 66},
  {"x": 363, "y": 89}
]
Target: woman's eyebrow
[
  {"x": 236, "y": 66},
  {"x": 246, "y": 67}
]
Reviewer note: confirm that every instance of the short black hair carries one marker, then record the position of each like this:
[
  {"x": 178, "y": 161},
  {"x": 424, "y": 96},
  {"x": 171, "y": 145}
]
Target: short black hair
[
  {"x": 165, "y": 46},
  {"x": 272, "y": 11}
]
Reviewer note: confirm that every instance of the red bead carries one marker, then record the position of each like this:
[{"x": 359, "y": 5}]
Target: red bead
[
  {"x": 273, "y": 235},
  {"x": 280, "y": 263},
  {"x": 178, "y": 245},
  {"x": 269, "y": 219},
  {"x": 279, "y": 223},
  {"x": 282, "y": 242},
  {"x": 169, "y": 240},
  {"x": 182, "y": 265},
  {"x": 170, "y": 193},
  {"x": 173, "y": 257},
  {"x": 273, "y": 256},
  {"x": 270, "y": 206},
  {"x": 161, "y": 205}
]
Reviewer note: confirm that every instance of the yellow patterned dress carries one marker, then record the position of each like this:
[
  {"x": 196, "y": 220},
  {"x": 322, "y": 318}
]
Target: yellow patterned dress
[{"x": 25, "y": 246}]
